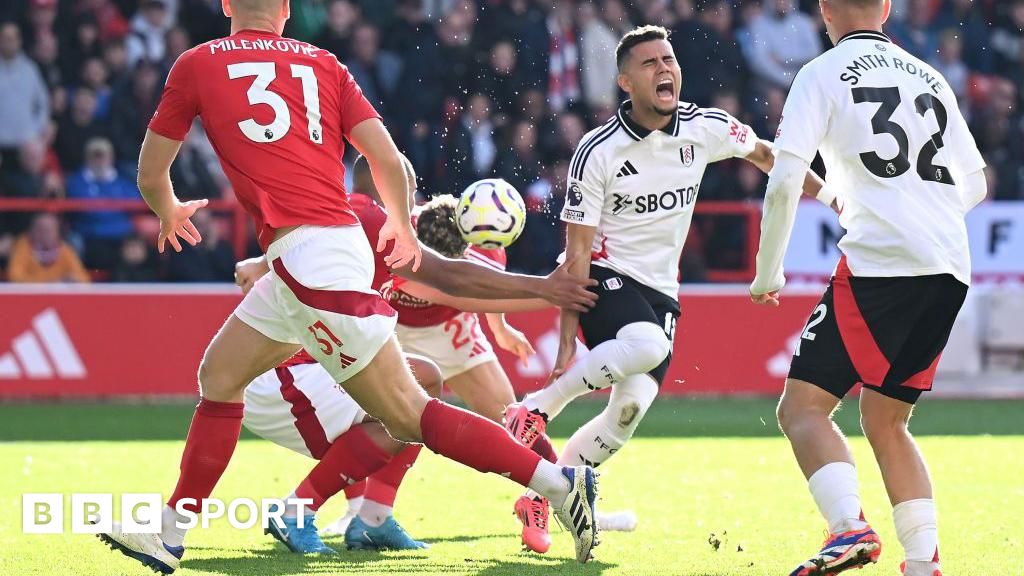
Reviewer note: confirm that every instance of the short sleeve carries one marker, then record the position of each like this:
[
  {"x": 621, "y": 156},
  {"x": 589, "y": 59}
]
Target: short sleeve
[
  {"x": 964, "y": 153},
  {"x": 804, "y": 118},
  {"x": 179, "y": 103},
  {"x": 729, "y": 138},
  {"x": 355, "y": 108},
  {"x": 584, "y": 195},
  {"x": 492, "y": 258}
]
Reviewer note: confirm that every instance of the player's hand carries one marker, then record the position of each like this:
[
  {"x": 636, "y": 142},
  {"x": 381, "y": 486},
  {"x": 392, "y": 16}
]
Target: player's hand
[
  {"x": 565, "y": 290},
  {"x": 177, "y": 224},
  {"x": 406, "y": 249},
  {"x": 247, "y": 272},
  {"x": 769, "y": 299},
  {"x": 566, "y": 352},
  {"x": 514, "y": 341}
]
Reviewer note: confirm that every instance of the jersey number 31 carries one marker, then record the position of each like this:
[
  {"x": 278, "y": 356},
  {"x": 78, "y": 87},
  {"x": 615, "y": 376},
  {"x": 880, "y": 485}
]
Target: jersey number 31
[
  {"x": 890, "y": 99},
  {"x": 258, "y": 93}
]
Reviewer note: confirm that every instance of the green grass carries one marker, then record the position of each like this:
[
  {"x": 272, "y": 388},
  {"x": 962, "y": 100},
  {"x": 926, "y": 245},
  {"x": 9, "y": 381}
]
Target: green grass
[{"x": 699, "y": 467}]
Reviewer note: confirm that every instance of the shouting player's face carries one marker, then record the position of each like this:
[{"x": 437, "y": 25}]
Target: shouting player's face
[{"x": 652, "y": 78}]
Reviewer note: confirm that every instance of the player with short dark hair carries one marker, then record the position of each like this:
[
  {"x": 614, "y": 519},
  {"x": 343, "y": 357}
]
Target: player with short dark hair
[
  {"x": 632, "y": 186},
  {"x": 906, "y": 170},
  {"x": 278, "y": 111}
]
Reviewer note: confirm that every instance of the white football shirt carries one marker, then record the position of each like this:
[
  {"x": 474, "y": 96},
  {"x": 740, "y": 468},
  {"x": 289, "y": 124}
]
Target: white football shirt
[
  {"x": 896, "y": 150},
  {"x": 638, "y": 187}
]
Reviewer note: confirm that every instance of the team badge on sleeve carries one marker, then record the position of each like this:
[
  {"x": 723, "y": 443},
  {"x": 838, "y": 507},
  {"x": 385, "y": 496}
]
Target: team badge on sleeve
[{"x": 686, "y": 155}]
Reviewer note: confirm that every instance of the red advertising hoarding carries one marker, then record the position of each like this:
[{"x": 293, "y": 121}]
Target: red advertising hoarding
[{"x": 97, "y": 341}]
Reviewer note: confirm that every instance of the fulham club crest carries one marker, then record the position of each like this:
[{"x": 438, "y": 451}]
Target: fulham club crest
[{"x": 686, "y": 155}]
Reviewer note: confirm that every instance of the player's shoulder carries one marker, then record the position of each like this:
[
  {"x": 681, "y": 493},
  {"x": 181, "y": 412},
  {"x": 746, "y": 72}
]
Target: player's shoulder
[{"x": 597, "y": 143}]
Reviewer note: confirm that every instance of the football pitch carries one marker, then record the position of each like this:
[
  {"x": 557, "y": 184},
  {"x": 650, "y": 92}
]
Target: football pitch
[{"x": 712, "y": 482}]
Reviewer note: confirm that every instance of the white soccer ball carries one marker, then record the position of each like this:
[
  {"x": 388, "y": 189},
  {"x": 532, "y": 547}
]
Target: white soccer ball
[{"x": 491, "y": 213}]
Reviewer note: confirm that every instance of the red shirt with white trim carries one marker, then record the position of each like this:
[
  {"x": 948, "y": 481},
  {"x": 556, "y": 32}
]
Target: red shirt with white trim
[
  {"x": 372, "y": 217},
  {"x": 276, "y": 111},
  {"x": 417, "y": 313}
]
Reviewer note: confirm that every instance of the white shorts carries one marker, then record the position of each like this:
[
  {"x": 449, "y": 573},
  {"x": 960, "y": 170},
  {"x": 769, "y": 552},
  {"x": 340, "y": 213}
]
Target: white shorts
[
  {"x": 455, "y": 346},
  {"x": 318, "y": 294},
  {"x": 300, "y": 408}
]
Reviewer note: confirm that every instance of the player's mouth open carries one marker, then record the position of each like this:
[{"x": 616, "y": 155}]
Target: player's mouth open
[{"x": 664, "y": 89}]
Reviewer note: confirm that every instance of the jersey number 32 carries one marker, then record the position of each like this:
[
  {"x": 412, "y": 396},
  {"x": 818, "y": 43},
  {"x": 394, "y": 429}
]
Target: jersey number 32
[{"x": 881, "y": 123}]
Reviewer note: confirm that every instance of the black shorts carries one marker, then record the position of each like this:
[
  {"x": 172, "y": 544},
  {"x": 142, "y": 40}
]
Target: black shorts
[
  {"x": 622, "y": 300},
  {"x": 886, "y": 333}
]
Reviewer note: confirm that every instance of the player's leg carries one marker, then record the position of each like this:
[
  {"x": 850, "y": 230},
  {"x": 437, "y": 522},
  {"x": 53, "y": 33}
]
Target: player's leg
[
  {"x": 386, "y": 390},
  {"x": 237, "y": 354},
  {"x": 886, "y": 411},
  {"x": 374, "y": 526},
  {"x": 485, "y": 388}
]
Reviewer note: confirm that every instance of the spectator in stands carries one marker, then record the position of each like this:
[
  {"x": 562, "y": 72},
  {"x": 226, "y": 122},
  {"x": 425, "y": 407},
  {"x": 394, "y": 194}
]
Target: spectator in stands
[
  {"x": 472, "y": 150},
  {"x": 569, "y": 130},
  {"x": 563, "y": 58},
  {"x": 728, "y": 69},
  {"x": 82, "y": 44},
  {"x": 101, "y": 231},
  {"x": 535, "y": 252},
  {"x": 78, "y": 125},
  {"x": 597, "y": 60},
  {"x": 116, "y": 58},
  {"x": 616, "y": 17},
  {"x": 342, "y": 17},
  {"x": 32, "y": 178},
  {"x": 973, "y": 29},
  {"x": 949, "y": 62},
  {"x": 147, "y": 39},
  {"x": 42, "y": 15},
  {"x": 45, "y": 51},
  {"x": 209, "y": 261},
  {"x": 914, "y": 33},
  {"x": 138, "y": 262},
  {"x": 94, "y": 77},
  {"x": 41, "y": 255},
  {"x": 519, "y": 162},
  {"x": 524, "y": 24},
  {"x": 1008, "y": 43},
  {"x": 782, "y": 40},
  {"x": 135, "y": 102},
  {"x": 500, "y": 81},
  {"x": 196, "y": 171},
  {"x": 377, "y": 72},
  {"x": 24, "y": 101}
]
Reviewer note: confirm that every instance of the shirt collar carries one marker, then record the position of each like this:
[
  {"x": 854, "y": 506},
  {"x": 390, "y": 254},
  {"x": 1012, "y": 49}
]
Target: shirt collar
[
  {"x": 864, "y": 35},
  {"x": 638, "y": 132}
]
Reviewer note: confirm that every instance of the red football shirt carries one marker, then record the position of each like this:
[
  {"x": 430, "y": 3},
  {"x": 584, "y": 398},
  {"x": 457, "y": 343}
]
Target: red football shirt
[
  {"x": 417, "y": 313},
  {"x": 275, "y": 110},
  {"x": 372, "y": 217}
]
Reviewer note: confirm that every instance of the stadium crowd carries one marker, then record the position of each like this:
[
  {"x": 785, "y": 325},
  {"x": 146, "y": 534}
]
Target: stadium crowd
[{"x": 469, "y": 89}]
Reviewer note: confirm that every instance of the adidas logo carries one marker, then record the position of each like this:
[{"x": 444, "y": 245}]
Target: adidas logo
[
  {"x": 478, "y": 349},
  {"x": 579, "y": 518},
  {"x": 346, "y": 360},
  {"x": 42, "y": 351},
  {"x": 627, "y": 170}
]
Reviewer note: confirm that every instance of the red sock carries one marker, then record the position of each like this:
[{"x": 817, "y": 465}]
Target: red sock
[
  {"x": 355, "y": 490},
  {"x": 211, "y": 441},
  {"x": 382, "y": 487},
  {"x": 352, "y": 457},
  {"x": 475, "y": 441},
  {"x": 542, "y": 445}
]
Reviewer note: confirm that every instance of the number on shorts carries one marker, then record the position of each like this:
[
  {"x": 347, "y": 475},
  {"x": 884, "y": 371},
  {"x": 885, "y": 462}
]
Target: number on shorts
[
  {"x": 817, "y": 317},
  {"x": 325, "y": 345},
  {"x": 472, "y": 331},
  {"x": 258, "y": 93}
]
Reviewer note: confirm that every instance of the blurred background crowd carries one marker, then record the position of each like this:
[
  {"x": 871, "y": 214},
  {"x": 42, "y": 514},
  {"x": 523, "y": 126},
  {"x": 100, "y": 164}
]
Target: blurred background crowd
[{"x": 468, "y": 88}]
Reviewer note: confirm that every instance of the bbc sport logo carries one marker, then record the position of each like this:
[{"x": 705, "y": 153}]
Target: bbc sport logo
[{"x": 140, "y": 513}]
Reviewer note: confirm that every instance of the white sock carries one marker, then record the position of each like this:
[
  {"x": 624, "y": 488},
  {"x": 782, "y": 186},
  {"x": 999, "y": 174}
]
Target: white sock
[
  {"x": 291, "y": 511},
  {"x": 917, "y": 529},
  {"x": 835, "y": 491},
  {"x": 375, "y": 513},
  {"x": 354, "y": 505},
  {"x": 549, "y": 482},
  {"x": 169, "y": 531},
  {"x": 636, "y": 349},
  {"x": 596, "y": 441}
]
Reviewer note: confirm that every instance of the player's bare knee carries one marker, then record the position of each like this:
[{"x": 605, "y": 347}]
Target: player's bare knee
[
  {"x": 883, "y": 427},
  {"x": 215, "y": 383},
  {"x": 427, "y": 375}
]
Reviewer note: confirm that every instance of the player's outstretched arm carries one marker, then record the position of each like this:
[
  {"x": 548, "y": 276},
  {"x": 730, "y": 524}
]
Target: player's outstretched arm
[
  {"x": 468, "y": 279},
  {"x": 813, "y": 187},
  {"x": 780, "y": 202},
  {"x": 578, "y": 244},
  {"x": 154, "y": 180},
  {"x": 372, "y": 140}
]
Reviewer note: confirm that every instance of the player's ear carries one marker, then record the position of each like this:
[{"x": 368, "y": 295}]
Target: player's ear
[
  {"x": 886, "y": 10},
  {"x": 286, "y": 9},
  {"x": 225, "y": 6},
  {"x": 623, "y": 81}
]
